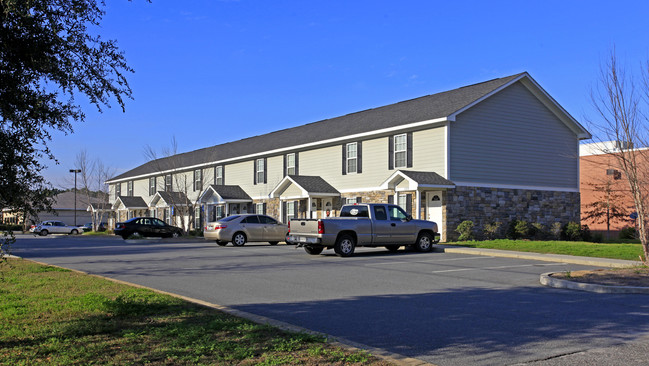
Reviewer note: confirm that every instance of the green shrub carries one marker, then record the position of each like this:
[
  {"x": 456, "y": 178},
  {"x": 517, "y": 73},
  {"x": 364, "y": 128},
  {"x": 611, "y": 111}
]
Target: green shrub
[
  {"x": 7, "y": 227},
  {"x": 538, "y": 231},
  {"x": 555, "y": 230},
  {"x": 518, "y": 229},
  {"x": 465, "y": 229},
  {"x": 597, "y": 237},
  {"x": 627, "y": 233},
  {"x": 585, "y": 233},
  {"x": 571, "y": 231},
  {"x": 492, "y": 230}
]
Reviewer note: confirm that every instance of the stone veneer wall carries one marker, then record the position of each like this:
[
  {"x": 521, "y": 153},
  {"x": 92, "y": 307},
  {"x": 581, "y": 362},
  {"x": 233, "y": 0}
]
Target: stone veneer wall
[
  {"x": 369, "y": 196},
  {"x": 486, "y": 205}
]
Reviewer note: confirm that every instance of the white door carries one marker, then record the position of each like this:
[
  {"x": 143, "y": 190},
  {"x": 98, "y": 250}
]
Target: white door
[{"x": 434, "y": 209}]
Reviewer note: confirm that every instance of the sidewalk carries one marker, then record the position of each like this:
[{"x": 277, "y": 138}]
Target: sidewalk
[{"x": 587, "y": 261}]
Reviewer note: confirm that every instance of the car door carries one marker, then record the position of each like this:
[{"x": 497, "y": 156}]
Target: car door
[
  {"x": 253, "y": 228},
  {"x": 404, "y": 231},
  {"x": 59, "y": 228},
  {"x": 159, "y": 228},
  {"x": 273, "y": 230},
  {"x": 382, "y": 227}
]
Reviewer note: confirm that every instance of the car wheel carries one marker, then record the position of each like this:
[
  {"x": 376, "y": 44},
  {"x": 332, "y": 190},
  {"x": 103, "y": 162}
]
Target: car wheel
[
  {"x": 74, "y": 232},
  {"x": 124, "y": 237},
  {"x": 392, "y": 248},
  {"x": 345, "y": 245},
  {"x": 424, "y": 243},
  {"x": 175, "y": 234},
  {"x": 221, "y": 243},
  {"x": 273, "y": 242},
  {"x": 239, "y": 239},
  {"x": 313, "y": 250},
  {"x": 44, "y": 232}
]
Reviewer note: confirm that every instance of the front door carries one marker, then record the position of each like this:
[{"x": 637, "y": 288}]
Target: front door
[{"x": 434, "y": 209}]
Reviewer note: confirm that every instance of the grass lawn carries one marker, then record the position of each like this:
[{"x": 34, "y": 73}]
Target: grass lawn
[
  {"x": 54, "y": 316},
  {"x": 629, "y": 251}
]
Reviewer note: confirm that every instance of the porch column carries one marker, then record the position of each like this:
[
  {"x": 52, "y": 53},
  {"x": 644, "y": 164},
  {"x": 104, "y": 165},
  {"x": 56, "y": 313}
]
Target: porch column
[
  {"x": 308, "y": 207},
  {"x": 418, "y": 204}
]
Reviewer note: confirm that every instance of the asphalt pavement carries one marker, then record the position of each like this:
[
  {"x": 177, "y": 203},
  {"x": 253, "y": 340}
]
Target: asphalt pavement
[{"x": 444, "y": 308}]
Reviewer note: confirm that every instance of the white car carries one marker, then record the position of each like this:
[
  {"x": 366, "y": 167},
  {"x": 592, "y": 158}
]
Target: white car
[{"x": 55, "y": 227}]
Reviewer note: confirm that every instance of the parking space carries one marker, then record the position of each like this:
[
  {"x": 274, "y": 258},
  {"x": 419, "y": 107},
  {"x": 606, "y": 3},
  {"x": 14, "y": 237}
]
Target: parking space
[{"x": 445, "y": 308}]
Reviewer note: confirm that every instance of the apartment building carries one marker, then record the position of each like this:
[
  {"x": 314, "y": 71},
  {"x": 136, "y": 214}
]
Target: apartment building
[{"x": 498, "y": 150}]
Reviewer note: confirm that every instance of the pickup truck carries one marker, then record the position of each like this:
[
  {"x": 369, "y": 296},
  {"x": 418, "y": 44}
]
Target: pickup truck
[{"x": 369, "y": 225}]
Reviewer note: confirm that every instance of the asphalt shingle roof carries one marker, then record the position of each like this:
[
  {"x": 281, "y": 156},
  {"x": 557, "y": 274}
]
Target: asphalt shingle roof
[
  {"x": 173, "y": 197},
  {"x": 313, "y": 184},
  {"x": 430, "y": 178},
  {"x": 133, "y": 201},
  {"x": 415, "y": 110},
  {"x": 231, "y": 192}
]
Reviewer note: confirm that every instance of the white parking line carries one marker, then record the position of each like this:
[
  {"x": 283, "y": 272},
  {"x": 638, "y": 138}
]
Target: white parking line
[
  {"x": 424, "y": 262},
  {"x": 498, "y": 267}
]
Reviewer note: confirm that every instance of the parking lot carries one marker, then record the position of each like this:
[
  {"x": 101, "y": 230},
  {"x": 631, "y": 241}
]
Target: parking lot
[{"x": 443, "y": 308}]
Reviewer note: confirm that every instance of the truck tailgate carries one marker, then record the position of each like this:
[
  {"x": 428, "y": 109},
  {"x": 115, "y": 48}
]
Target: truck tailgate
[{"x": 304, "y": 226}]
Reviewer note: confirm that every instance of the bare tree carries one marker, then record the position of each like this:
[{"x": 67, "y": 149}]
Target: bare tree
[
  {"x": 183, "y": 182},
  {"x": 93, "y": 177},
  {"x": 621, "y": 103}
]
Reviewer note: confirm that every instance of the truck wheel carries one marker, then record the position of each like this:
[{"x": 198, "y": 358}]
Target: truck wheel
[
  {"x": 424, "y": 243},
  {"x": 221, "y": 243},
  {"x": 345, "y": 245},
  {"x": 313, "y": 250},
  {"x": 239, "y": 239},
  {"x": 392, "y": 248}
]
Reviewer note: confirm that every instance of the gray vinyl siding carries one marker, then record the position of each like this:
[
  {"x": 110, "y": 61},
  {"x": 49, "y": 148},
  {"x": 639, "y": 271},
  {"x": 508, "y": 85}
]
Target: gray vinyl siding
[{"x": 512, "y": 139}]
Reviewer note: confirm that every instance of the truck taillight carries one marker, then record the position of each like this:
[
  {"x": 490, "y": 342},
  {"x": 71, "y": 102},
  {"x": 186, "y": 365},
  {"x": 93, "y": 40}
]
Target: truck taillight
[
  {"x": 289, "y": 226},
  {"x": 320, "y": 227}
]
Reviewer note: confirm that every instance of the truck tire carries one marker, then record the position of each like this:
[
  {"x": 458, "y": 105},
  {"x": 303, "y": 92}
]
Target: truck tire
[
  {"x": 345, "y": 245},
  {"x": 424, "y": 243},
  {"x": 313, "y": 250}
]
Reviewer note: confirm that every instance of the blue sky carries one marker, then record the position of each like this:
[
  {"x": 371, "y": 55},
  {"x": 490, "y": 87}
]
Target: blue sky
[{"x": 209, "y": 72}]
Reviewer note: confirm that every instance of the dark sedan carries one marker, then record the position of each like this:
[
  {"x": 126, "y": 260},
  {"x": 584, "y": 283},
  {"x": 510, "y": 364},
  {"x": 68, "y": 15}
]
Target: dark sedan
[{"x": 146, "y": 226}]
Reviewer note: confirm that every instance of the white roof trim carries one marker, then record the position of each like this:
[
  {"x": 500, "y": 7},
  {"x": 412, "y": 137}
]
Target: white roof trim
[{"x": 291, "y": 148}]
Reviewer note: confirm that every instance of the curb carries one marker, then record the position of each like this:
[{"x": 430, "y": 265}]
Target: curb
[
  {"x": 587, "y": 261},
  {"x": 548, "y": 280}
]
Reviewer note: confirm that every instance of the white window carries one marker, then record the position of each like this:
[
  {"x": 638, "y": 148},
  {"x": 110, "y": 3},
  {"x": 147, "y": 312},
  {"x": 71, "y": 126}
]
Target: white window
[
  {"x": 290, "y": 164},
  {"x": 197, "y": 218},
  {"x": 152, "y": 188},
  {"x": 198, "y": 179},
  {"x": 400, "y": 151},
  {"x": 351, "y": 201},
  {"x": 259, "y": 209},
  {"x": 218, "y": 175},
  {"x": 260, "y": 170},
  {"x": 290, "y": 210},
  {"x": 402, "y": 200},
  {"x": 129, "y": 188},
  {"x": 168, "y": 186},
  {"x": 352, "y": 157}
]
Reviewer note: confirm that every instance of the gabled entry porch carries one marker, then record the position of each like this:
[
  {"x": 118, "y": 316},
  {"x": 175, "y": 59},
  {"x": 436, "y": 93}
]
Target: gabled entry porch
[{"x": 304, "y": 196}]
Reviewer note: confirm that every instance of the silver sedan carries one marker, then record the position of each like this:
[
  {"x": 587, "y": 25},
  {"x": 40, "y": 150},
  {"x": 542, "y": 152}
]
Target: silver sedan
[
  {"x": 240, "y": 229},
  {"x": 55, "y": 227}
]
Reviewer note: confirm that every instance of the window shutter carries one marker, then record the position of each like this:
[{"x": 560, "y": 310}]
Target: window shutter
[
  {"x": 409, "y": 204},
  {"x": 284, "y": 213},
  {"x": 359, "y": 157},
  {"x": 285, "y": 170},
  {"x": 390, "y": 199},
  {"x": 409, "y": 150},
  {"x": 359, "y": 200},
  {"x": 254, "y": 171},
  {"x": 194, "y": 183},
  {"x": 391, "y": 152},
  {"x": 265, "y": 170},
  {"x": 297, "y": 170},
  {"x": 344, "y": 159},
  {"x": 264, "y": 209},
  {"x": 223, "y": 174}
]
